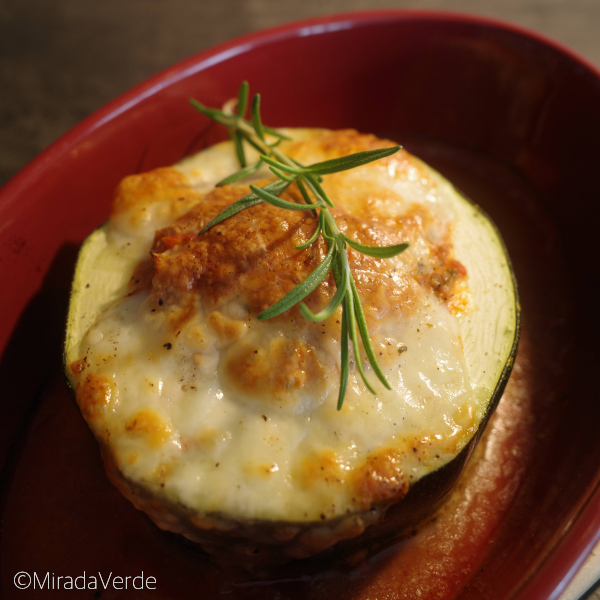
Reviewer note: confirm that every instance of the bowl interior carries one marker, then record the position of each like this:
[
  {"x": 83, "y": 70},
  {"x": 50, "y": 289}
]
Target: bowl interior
[{"x": 521, "y": 114}]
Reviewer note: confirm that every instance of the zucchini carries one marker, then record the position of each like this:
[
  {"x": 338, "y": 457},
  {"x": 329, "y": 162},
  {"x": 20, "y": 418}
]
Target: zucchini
[{"x": 230, "y": 436}]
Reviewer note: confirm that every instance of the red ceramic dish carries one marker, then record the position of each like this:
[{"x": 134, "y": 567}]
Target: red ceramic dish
[{"x": 510, "y": 117}]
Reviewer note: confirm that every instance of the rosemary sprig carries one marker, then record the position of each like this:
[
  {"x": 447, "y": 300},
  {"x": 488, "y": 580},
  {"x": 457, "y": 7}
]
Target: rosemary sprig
[{"x": 308, "y": 179}]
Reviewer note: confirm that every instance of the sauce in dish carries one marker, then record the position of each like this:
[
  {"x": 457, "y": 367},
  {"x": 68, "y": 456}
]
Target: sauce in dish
[{"x": 61, "y": 515}]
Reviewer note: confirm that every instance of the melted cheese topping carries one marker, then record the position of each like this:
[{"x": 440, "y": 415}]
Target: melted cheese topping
[{"x": 209, "y": 408}]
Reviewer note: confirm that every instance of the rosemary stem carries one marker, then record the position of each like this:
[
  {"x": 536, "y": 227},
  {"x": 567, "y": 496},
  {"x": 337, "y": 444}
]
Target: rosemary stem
[{"x": 308, "y": 180}]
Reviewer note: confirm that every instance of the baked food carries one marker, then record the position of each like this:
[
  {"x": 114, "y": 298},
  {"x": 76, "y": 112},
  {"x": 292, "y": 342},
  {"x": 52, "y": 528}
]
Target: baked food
[{"x": 224, "y": 428}]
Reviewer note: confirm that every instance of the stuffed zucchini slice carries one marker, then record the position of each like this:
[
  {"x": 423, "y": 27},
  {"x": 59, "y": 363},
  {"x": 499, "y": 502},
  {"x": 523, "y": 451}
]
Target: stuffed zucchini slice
[{"x": 224, "y": 428}]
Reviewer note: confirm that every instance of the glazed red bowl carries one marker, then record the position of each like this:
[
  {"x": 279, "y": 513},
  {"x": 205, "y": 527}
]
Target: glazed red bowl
[{"x": 513, "y": 119}]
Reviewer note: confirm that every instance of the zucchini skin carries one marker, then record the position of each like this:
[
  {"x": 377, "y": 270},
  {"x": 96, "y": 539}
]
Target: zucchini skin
[{"x": 69, "y": 341}]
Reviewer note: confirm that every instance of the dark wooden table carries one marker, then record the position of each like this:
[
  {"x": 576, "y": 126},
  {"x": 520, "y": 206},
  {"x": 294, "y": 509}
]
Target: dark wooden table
[{"x": 62, "y": 59}]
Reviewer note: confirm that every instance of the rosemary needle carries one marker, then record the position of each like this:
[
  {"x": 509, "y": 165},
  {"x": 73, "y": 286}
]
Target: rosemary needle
[{"x": 308, "y": 180}]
